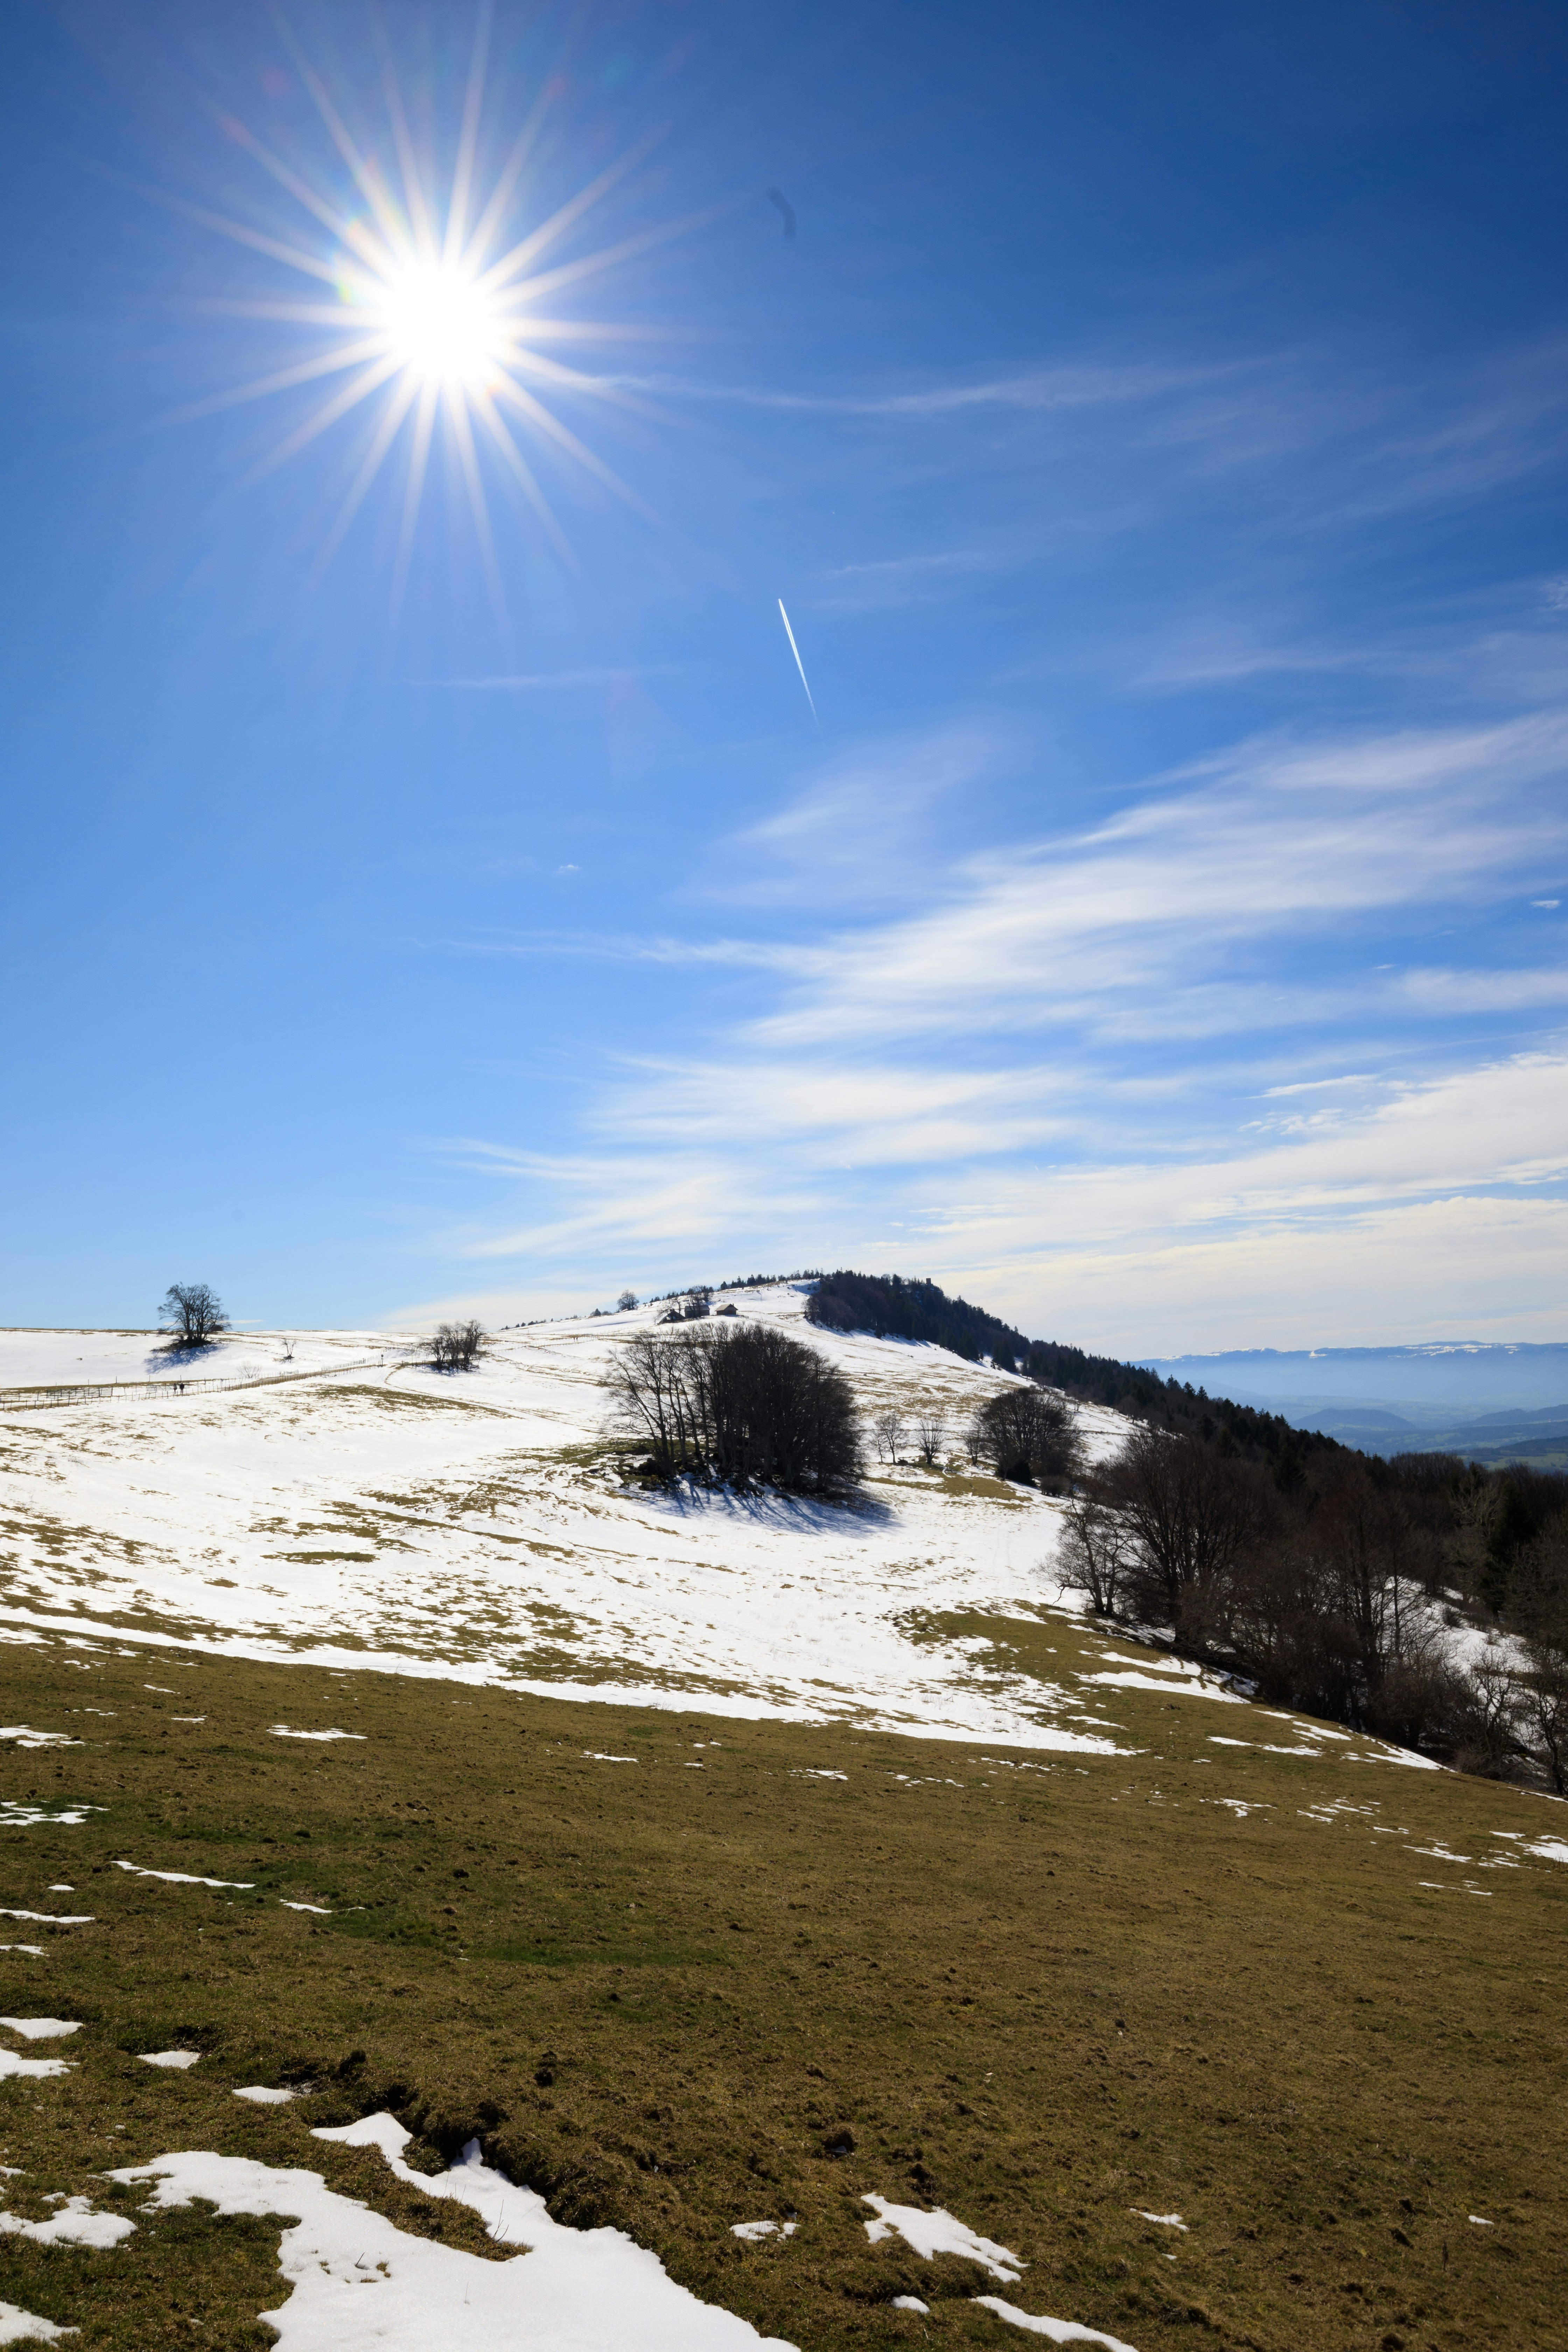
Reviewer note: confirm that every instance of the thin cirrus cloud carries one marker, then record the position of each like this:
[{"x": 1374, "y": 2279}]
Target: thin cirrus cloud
[
  {"x": 1046, "y": 1070},
  {"x": 1279, "y": 840}
]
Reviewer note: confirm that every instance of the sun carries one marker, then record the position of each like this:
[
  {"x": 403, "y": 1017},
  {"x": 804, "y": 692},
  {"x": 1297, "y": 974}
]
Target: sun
[
  {"x": 441, "y": 325},
  {"x": 428, "y": 309}
]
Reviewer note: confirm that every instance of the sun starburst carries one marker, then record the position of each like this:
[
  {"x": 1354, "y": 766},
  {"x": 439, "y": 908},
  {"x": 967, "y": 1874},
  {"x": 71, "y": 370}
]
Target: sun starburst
[{"x": 428, "y": 313}]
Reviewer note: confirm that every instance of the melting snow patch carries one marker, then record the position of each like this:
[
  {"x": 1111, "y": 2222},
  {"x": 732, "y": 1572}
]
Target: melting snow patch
[
  {"x": 818, "y": 1772},
  {"x": 19, "y": 2327},
  {"x": 53, "y": 1918},
  {"x": 1060, "y": 2331},
  {"x": 1166, "y": 2220},
  {"x": 11, "y": 2064},
  {"x": 181, "y": 2058},
  {"x": 359, "y": 2280},
  {"x": 1138, "y": 1681},
  {"x": 594, "y": 1757},
  {"x": 282, "y": 1731},
  {"x": 753, "y": 2231},
  {"x": 26, "y": 1736},
  {"x": 910, "y": 2303},
  {"x": 257, "y": 2094},
  {"x": 1239, "y": 1806},
  {"x": 76, "y": 2224},
  {"x": 939, "y": 2233},
  {"x": 1479, "y": 2223},
  {"x": 41, "y": 2029},
  {"x": 184, "y": 1877},
  {"x": 1550, "y": 1850},
  {"x": 320, "y": 1909},
  {"x": 1265, "y": 1747},
  {"x": 15, "y": 1813}
]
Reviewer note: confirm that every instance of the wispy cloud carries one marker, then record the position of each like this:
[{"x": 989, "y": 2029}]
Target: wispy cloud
[{"x": 1075, "y": 1065}]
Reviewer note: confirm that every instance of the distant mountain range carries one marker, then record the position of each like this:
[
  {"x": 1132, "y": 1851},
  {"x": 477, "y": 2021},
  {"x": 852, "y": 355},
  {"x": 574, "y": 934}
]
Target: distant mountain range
[{"x": 1490, "y": 1401}]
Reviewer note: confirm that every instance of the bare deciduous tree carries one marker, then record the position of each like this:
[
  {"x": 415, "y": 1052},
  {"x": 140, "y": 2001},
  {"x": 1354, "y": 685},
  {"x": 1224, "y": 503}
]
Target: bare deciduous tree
[
  {"x": 930, "y": 1433},
  {"x": 888, "y": 1429},
  {"x": 457, "y": 1346},
  {"x": 192, "y": 1313},
  {"x": 626, "y": 1302},
  {"x": 1097, "y": 1553}
]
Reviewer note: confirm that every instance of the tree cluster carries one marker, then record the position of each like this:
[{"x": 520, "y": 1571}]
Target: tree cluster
[
  {"x": 1332, "y": 1596},
  {"x": 192, "y": 1313},
  {"x": 742, "y": 1402},
  {"x": 457, "y": 1346},
  {"x": 1027, "y": 1434}
]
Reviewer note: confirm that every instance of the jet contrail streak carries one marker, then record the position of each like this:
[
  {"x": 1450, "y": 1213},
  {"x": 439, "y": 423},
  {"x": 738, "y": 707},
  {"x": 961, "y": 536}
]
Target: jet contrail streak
[{"x": 795, "y": 651}]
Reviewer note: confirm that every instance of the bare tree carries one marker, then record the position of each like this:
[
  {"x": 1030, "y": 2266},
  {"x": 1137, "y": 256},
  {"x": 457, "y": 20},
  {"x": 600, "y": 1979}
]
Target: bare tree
[
  {"x": 288, "y": 1350},
  {"x": 457, "y": 1346},
  {"x": 930, "y": 1432},
  {"x": 626, "y": 1302},
  {"x": 192, "y": 1313},
  {"x": 1191, "y": 1517},
  {"x": 1097, "y": 1553},
  {"x": 888, "y": 1429}
]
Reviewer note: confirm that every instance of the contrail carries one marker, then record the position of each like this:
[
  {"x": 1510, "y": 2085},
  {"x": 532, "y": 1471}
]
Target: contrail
[{"x": 795, "y": 651}]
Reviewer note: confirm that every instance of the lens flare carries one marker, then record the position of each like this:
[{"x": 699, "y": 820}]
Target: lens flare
[{"x": 434, "y": 318}]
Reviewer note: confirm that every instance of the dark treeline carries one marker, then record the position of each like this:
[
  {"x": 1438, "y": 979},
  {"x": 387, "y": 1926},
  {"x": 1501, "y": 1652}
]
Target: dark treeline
[
  {"x": 892, "y": 1303},
  {"x": 1340, "y": 1596},
  {"x": 742, "y": 1402}
]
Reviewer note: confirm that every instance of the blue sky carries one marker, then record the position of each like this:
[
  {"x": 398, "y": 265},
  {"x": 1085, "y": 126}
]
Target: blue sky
[{"x": 1157, "y": 429}]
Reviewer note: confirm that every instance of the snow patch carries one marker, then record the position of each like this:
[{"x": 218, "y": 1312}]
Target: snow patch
[
  {"x": 359, "y": 2280},
  {"x": 939, "y": 2233},
  {"x": 1060, "y": 2331},
  {"x": 184, "y": 1877},
  {"x": 752, "y": 2231},
  {"x": 26, "y": 1736},
  {"x": 11, "y": 2064},
  {"x": 76, "y": 2224},
  {"x": 19, "y": 2327},
  {"x": 41, "y": 2029},
  {"x": 177, "y": 2058},
  {"x": 282, "y": 1731},
  {"x": 260, "y": 2096}
]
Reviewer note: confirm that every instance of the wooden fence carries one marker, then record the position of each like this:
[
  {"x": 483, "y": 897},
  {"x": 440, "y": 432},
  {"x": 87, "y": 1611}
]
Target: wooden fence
[{"x": 26, "y": 1400}]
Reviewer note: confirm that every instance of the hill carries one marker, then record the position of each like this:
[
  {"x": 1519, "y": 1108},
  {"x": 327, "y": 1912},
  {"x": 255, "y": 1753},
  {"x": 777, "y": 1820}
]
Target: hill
[
  {"x": 709, "y": 1862},
  {"x": 893, "y": 1304}
]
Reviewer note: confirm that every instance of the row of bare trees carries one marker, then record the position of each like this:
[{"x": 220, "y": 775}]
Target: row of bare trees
[
  {"x": 1334, "y": 1599},
  {"x": 1027, "y": 1433}
]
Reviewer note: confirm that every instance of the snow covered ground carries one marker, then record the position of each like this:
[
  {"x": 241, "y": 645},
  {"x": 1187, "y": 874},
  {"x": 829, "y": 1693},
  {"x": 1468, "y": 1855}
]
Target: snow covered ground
[{"x": 476, "y": 1526}]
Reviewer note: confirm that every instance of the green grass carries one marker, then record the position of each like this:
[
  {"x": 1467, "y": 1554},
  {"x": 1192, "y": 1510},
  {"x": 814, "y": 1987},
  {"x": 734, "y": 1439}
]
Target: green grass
[{"x": 1039, "y": 1998}]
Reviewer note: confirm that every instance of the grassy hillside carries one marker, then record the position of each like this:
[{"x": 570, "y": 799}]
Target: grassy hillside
[{"x": 1305, "y": 1996}]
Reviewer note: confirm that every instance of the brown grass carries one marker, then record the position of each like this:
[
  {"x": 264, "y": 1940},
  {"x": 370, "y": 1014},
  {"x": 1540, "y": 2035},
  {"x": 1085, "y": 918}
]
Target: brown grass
[{"x": 1066, "y": 1988}]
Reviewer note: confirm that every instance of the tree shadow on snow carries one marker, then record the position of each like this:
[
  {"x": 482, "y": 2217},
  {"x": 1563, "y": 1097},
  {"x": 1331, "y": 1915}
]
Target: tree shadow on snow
[{"x": 770, "y": 1506}]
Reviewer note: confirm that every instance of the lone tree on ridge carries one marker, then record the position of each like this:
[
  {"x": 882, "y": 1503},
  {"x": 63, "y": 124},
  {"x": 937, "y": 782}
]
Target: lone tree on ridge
[{"x": 192, "y": 1313}]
